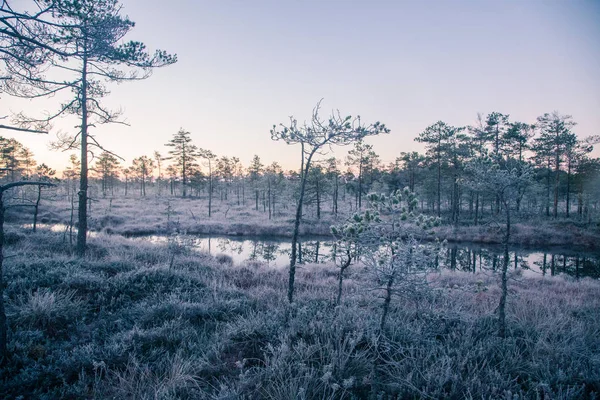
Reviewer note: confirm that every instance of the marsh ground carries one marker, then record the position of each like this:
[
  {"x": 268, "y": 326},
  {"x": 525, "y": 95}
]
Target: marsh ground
[
  {"x": 125, "y": 322},
  {"x": 163, "y": 215}
]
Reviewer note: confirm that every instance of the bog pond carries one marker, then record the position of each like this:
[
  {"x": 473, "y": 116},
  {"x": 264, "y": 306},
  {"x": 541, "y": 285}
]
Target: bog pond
[{"x": 275, "y": 252}]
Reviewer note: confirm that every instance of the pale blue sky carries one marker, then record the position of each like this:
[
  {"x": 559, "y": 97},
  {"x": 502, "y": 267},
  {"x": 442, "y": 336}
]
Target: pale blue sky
[{"x": 245, "y": 65}]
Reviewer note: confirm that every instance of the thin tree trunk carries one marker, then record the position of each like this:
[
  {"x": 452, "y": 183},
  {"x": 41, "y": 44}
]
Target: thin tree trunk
[
  {"x": 548, "y": 190},
  {"x": 335, "y": 195},
  {"x": 71, "y": 222},
  {"x": 269, "y": 195},
  {"x": 292, "y": 274},
  {"x": 439, "y": 176},
  {"x": 3, "y": 324},
  {"x": 210, "y": 189},
  {"x": 568, "y": 188},
  {"x": 183, "y": 170},
  {"x": 360, "y": 179},
  {"x": 504, "y": 289},
  {"x": 318, "y": 200},
  {"x": 36, "y": 208},
  {"x": 386, "y": 302},
  {"x": 557, "y": 176},
  {"x": 556, "y": 183},
  {"x": 343, "y": 267},
  {"x": 83, "y": 177}
]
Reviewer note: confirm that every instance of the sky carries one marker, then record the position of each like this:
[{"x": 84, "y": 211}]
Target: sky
[{"x": 246, "y": 65}]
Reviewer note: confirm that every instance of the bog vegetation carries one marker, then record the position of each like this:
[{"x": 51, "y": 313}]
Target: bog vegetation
[{"x": 86, "y": 312}]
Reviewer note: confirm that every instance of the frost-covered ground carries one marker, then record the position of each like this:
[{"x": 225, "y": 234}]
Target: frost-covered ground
[
  {"x": 163, "y": 215},
  {"x": 141, "y": 320}
]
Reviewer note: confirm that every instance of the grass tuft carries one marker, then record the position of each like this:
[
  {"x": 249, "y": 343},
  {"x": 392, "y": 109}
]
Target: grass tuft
[{"x": 51, "y": 311}]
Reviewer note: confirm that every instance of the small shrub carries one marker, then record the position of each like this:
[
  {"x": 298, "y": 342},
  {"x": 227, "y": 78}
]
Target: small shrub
[
  {"x": 173, "y": 378},
  {"x": 224, "y": 259},
  {"x": 11, "y": 238},
  {"x": 51, "y": 311}
]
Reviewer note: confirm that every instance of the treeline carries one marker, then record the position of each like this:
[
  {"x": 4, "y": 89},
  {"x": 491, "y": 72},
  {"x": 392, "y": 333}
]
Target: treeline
[
  {"x": 566, "y": 179},
  {"x": 17, "y": 162}
]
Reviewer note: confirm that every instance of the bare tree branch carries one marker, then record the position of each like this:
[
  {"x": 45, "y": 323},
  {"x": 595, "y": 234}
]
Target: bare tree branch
[{"x": 15, "y": 128}]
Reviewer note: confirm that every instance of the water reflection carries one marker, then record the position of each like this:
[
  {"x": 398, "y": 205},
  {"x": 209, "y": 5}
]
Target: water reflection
[
  {"x": 532, "y": 262},
  {"x": 463, "y": 257},
  {"x": 271, "y": 251}
]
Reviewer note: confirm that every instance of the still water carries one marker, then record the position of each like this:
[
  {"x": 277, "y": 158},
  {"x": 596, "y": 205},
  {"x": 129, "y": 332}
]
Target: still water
[{"x": 275, "y": 252}]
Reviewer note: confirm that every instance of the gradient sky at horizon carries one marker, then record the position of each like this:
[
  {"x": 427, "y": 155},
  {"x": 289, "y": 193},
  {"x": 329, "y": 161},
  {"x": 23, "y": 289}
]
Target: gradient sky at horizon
[{"x": 244, "y": 66}]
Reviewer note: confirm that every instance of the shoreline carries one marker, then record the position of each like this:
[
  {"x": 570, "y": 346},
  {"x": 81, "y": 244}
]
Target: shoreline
[
  {"x": 526, "y": 235},
  {"x": 152, "y": 217}
]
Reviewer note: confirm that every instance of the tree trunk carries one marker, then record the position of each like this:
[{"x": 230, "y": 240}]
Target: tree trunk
[
  {"x": 36, "y": 208},
  {"x": 343, "y": 267},
  {"x": 3, "y": 325},
  {"x": 580, "y": 201},
  {"x": 297, "y": 219},
  {"x": 548, "y": 190},
  {"x": 476, "y": 208},
  {"x": 360, "y": 179},
  {"x": 504, "y": 288},
  {"x": 318, "y": 200},
  {"x": 335, "y": 195},
  {"x": 273, "y": 197},
  {"x": 556, "y": 183},
  {"x": 183, "y": 171},
  {"x": 71, "y": 221},
  {"x": 568, "y": 188},
  {"x": 455, "y": 201},
  {"x": 439, "y": 174},
  {"x": 210, "y": 196},
  {"x": 269, "y": 195},
  {"x": 83, "y": 177},
  {"x": 386, "y": 302},
  {"x": 555, "y": 209}
]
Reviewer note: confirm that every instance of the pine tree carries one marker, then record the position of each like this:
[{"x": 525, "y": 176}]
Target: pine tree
[
  {"x": 255, "y": 170},
  {"x": 184, "y": 154},
  {"x": 436, "y": 137},
  {"x": 106, "y": 167},
  {"x": 555, "y": 135},
  {"x": 89, "y": 34},
  {"x": 143, "y": 167}
]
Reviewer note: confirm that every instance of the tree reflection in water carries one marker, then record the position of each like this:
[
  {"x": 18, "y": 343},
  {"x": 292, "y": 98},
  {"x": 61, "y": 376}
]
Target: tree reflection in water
[{"x": 470, "y": 257}]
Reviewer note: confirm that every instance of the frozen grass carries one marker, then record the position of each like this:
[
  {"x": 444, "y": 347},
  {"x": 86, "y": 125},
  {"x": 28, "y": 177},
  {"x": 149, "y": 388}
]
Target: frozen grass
[
  {"x": 535, "y": 233},
  {"x": 122, "y": 323},
  {"x": 162, "y": 215},
  {"x": 152, "y": 215},
  {"x": 48, "y": 310}
]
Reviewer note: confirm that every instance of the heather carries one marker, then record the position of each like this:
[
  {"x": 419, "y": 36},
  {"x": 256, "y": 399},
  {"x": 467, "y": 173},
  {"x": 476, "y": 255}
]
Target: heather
[{"x": 133, "y": 319}]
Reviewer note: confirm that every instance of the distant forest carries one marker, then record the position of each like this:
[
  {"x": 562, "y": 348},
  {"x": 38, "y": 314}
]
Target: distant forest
[{"x": 566, "y": 180}]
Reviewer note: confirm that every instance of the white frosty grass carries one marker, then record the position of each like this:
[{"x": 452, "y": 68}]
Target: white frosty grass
[{"x": 125, "y": 323}]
